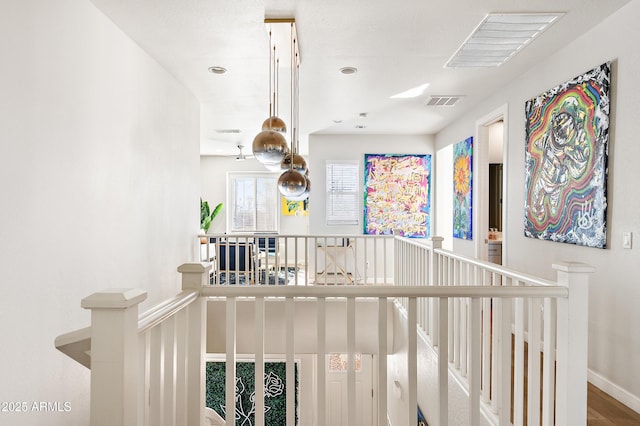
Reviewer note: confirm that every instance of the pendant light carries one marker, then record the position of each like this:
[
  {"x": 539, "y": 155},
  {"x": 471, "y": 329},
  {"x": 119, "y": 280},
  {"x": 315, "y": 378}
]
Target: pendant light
[
  {"x": 292, "y": 182},
  {"x": 270, "y": 146}
]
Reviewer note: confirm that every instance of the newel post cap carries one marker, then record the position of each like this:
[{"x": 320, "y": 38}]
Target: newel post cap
[
  {"x": 115, "y": 298},
  {"x": 195, "y": 275},
  {"x": 574, "y": 267}
]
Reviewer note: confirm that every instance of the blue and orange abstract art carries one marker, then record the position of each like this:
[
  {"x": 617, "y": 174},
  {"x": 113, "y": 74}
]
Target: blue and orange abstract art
[
  {"x": 462, "y": 189},
  {"x": 396, "y": 194},
  {"x": 567, "y": 134}
]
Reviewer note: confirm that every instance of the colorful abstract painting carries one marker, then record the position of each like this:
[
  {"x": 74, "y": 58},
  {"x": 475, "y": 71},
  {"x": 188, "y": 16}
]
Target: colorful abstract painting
[
  {"x": 462, "y": 179},
  {"x": 397, "y": 194},
  {"x": 567, "y": 134},
  {"x": 295, "y": 208}
]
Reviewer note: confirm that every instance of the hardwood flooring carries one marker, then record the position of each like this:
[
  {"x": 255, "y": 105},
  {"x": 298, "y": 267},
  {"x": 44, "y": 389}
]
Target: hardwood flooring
[{"x": 603, "y": 410}]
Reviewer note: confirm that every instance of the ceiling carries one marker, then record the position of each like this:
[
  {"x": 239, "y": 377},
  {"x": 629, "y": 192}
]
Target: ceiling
[{"x": 394, "y": 45}]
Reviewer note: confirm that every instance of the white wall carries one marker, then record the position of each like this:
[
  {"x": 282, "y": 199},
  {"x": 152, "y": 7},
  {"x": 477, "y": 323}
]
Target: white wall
[
  {"x": 353, "y": 147},
  {"x": 214, "y": 189},
  {"x": 614, "y": 342},
  {"x": 99, "y": 181}
]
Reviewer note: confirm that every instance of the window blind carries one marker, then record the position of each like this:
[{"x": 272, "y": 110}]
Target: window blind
[
  {"x": 254, "y": 202},
  {"x": 342, "y": 193}
]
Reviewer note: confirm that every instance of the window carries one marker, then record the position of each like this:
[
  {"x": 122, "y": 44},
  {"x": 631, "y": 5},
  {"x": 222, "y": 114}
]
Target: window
[
  {"x": 342, "y": 192},
  {"x": 253, "y": 198}
]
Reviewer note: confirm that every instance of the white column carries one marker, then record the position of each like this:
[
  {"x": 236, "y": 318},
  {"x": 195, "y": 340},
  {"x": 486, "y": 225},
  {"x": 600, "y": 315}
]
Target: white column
[
  {"x": 195, "y": 276},
  {"x": 114, "y": 356},
  {"x": 573, "y": 326}
]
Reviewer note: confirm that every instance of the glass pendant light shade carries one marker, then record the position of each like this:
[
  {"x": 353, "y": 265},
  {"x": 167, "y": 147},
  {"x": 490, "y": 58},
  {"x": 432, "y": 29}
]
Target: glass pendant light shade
[
  {"x": 292, "y": 184},
  {"x": 269, "y": 147},
  {"x": 295, "y": 162},
  {"x": 305, "y": 194},
  {"x": 275, "y": 123}
]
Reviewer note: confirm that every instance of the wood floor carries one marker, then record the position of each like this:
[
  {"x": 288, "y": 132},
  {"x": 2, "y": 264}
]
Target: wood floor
[{"x": 602, "y": 410}]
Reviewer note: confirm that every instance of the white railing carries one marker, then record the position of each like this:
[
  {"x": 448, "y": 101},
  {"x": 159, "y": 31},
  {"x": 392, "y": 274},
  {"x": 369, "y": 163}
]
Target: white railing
[
  {"x": 150, "y": 371},
  {"x": 486, "y": 339},
  {"x": 146, "y": 369},
  {"x": 298, "y": 259}
]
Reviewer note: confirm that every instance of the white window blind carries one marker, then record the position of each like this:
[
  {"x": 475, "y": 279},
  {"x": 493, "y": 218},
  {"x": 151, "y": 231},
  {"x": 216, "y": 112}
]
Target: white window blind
[
  {"x": 254, "y": 203},
  {"x": 342, "y": 193}
]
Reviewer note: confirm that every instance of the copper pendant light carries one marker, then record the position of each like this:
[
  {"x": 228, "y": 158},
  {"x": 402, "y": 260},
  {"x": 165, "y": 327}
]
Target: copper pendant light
[
  {"x": 269, "y": 146},
  {"x": 292, "y": 182}
]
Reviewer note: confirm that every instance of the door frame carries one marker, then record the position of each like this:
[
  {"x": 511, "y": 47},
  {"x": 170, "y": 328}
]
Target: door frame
[{"x": 481, "y": 179}]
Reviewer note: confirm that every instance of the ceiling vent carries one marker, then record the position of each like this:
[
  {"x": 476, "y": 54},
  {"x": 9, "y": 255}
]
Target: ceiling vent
[
  {"x": 228, "y": 131},
  {"x": 499, "y": 37},
  {"x": 442, "y": 101}
]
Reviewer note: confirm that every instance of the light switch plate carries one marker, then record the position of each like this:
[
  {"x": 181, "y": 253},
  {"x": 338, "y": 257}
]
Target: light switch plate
[{"x": 626, "y": 240}]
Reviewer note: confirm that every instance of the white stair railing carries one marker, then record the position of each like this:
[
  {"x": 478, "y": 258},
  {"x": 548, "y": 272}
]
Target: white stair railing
[
  {"x": 298, "y": 259},
  {"x": 482, "y": 337},
  {"x": 149, "y": 369},
  {"x": 146, "y": 369}
]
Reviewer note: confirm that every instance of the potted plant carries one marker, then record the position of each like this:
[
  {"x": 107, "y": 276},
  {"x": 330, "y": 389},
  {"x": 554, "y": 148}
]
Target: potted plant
[{"x": 206, "y": 217}]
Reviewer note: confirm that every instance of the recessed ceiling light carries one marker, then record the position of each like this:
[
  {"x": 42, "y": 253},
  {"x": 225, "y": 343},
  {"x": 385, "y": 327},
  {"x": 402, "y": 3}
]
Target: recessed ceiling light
[
  {"x": 499, "y": 37},
  {"x": 411, "y": 93},
  {"x": 217, "y": 70},
  {"x": 348, "y": 70}
]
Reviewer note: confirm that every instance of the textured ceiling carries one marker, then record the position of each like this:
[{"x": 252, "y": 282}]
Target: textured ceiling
[{"x": 395, "y": 46}]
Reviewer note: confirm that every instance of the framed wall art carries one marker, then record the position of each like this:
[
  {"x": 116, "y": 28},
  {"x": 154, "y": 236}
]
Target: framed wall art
[
  {"x": 462, "y": 189},
  {"x": 397, "y": 194},
  {"x": 567, "y": 135}
]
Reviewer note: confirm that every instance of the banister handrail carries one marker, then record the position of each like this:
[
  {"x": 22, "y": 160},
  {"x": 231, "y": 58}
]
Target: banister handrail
[
  {"x": 386, "y": 291},
  {"x": 162, "y": 311},
  {"x": 499, "y": 269}
]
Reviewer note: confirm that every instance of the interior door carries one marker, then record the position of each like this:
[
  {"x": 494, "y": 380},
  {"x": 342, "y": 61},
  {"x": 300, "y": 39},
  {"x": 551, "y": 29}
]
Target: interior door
[{"x": 337, "y": 406}]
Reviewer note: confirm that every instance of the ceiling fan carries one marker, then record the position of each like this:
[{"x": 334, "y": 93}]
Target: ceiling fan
[{"x": 241, "y": 156}]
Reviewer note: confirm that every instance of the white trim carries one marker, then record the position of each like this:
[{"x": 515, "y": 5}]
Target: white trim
[{"x": 615, "y": 391}]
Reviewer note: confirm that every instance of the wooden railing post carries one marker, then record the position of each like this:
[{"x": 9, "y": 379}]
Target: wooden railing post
[
  {"x": 572, "y": 349},
  {"x": 114, "y": 356},
  {"x": 194, "y": 277}
]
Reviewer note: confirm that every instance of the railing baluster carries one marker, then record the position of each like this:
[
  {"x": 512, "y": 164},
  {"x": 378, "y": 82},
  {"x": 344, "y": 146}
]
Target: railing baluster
[
  {"x": 169, "y": 348},
  {"x": 321, "y": 362},
  {"x": 230, "y": 367},
  {"x": 443, "y": 364},
  {"x": 382, "y": 360},
  {"x": 351, "y": 365},
  {"x": 486, "y": 340},
  {"x": 475, "y": 364},
  {"x": 144, "y": 354},
  {"x": 290, "y": 361},
  {"x": 518, "y": 368},
  {"x": 548, "y": 362},
  {"x": 156, "y": 379},
  {"x": 259, "y": 361},
  {"x": 504, "y": 313},
  {"x": 412, "y": 357},
  {"x": 533, "y": 377},
  {"x": 181, "y": 366}
]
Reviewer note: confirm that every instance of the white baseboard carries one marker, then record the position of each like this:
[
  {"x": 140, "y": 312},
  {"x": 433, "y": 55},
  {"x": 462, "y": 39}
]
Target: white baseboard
[{"x": 622, "y": 395}]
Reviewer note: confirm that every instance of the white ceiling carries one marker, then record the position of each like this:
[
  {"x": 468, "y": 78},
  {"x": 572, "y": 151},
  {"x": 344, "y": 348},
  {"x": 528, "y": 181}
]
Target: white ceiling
[{"x": 395, "y": 45}]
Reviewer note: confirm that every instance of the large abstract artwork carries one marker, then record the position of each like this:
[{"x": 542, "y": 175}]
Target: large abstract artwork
[
  {"x": 462, "y": 200},
  {"x": 397, "y": 194},
  {"x": 566, "y": 161}
]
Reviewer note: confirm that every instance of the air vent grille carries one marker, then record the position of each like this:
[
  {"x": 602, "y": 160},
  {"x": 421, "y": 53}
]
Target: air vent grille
[{"x": 442, "y": 101}]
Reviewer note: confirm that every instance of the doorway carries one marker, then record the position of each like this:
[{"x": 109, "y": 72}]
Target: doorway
[
  {"x": 336, "y": 388},
  {"x": 491, "y": 180}
]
